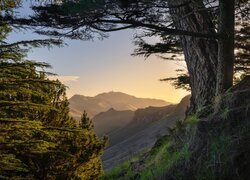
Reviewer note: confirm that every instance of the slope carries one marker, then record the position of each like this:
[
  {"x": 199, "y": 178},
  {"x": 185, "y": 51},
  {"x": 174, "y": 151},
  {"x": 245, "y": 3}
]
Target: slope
[
  {"x": 211, "y": 147},
  {"x": 105, "y": 101},
  {"x": 111, "y": 121},
  {"x": 142, "y": 132}
]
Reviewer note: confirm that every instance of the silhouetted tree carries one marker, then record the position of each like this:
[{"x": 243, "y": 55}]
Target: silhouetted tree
[
  {"x": 191, "y": 21},
  {"x": 174, "y": 52}
]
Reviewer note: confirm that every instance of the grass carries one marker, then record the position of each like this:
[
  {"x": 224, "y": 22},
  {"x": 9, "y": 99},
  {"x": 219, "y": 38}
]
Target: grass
[
  {"x": 121, "y": 171},
  {"x": 171, "y": 154},
  {"x": 162, "y": 160},
  {"x": 225, "y": 113},
  {"x": 166, "y": 154},
  {"x": 192, "y": 120},
  {"x": 212, "y": 165}
]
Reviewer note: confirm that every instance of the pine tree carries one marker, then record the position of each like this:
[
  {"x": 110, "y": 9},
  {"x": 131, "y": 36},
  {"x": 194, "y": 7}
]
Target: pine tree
[
  {"x": 38, "y": 139},
  {"x": 85, "y": 122}
]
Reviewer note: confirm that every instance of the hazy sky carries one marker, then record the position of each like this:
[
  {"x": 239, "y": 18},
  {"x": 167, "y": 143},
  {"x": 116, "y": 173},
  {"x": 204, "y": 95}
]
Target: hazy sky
[{"x": 92, "y": 67}]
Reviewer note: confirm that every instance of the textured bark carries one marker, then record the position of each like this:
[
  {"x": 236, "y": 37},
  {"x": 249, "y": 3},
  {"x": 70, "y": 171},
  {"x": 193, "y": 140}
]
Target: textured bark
[
  {"x": 225, "y": 46},
  {"x": 200, "y": 54}
]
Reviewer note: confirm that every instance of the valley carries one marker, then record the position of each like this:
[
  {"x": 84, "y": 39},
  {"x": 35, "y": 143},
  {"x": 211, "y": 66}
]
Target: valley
[
  {"x": 132, "y": 124},
  {"x": 104, "y": 101}
]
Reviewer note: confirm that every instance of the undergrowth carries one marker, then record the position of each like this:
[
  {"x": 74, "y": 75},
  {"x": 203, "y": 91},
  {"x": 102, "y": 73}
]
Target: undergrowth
[
  {"x": 121, "y": 171},
  {"x": 174, "y": 155},
  {"x": 163, "y": 159},
  {"x": 211, "y": 164}
]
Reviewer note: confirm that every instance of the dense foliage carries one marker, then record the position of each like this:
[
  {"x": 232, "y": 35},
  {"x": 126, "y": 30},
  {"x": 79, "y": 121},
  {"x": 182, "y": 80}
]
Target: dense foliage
[{"x": 38, "y": 139}]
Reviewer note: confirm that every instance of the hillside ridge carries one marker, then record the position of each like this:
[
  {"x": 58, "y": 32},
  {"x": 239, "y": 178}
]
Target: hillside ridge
[{"x": 104, "y": 101}]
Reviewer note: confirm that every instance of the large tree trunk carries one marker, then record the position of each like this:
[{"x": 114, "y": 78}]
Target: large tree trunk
[
  {"x": 200, "y": 54},
  {"x": 226, "y": 46}
]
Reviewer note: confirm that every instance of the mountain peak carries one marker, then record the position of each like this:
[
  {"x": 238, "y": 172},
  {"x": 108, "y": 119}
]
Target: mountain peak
[
  {"x": 119, "y": 101},
  {"x": 111, "y": 110},
  {"x": 112, "y": 93}
]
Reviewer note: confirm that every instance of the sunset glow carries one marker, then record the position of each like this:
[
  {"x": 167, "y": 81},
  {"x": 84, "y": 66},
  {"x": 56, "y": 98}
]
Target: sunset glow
[{"x": 93, "y": 67}]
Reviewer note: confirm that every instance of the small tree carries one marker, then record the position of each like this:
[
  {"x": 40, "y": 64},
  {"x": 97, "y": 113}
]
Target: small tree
[{"x": 85, "y": 122}]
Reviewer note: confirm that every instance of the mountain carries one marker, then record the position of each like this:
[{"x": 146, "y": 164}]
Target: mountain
[
  {"x": 142, "y": 132},
  {"x": 201, "y": 146},
  {"x": 103, "y": 102},
  {"x": 111, "y": 121},
  {"x": 142, "y": 119},
  {"x": 151, "y": 114}
]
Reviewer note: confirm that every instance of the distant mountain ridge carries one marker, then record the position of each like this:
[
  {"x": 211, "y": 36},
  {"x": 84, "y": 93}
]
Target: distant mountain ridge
[
  {"x": 104, "y": 101},
  {"x": 141, "y": 132},
  {"x": 111, "y": 121}
]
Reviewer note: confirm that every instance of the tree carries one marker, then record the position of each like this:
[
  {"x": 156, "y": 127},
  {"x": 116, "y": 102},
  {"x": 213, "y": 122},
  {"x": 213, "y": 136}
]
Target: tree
[
  {"x": 193, "y": 24},
  {"x": 85, "y": 122},
  {"x": 226, "y": 46},
  {"x": 163, "y": 48},
  {"x": 200, "y": 54},
  {"x": 38, "y": 139}
]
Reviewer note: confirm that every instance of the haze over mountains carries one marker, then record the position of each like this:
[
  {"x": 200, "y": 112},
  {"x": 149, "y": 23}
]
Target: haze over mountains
[
  {"x": 111, "y": 121},
  {"x": 132, "y": 124},
  {"x": 104, "y": 101},
  {"x": 140, "y": 133}
]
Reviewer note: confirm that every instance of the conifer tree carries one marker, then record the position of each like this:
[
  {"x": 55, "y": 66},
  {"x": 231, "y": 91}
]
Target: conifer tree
[
  {"x": 85, "y": 122},
  {"x": 38, "y": 139}
]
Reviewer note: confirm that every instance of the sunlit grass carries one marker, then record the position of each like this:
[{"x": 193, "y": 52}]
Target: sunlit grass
[{"x": 121, "y": 171}]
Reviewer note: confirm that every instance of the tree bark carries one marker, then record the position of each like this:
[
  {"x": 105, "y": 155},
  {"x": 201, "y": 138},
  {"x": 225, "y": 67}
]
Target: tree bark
[
  {"x": 200, "y": 54},
  {"x": 225, "y": 46}
]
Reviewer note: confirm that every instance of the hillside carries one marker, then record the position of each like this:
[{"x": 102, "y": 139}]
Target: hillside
[
  {"x": 142, "y": 132},
  {"x": 111, "y": 121},
  {"x": 103, "y": 102},
  {"x": 215, "y": 146}
]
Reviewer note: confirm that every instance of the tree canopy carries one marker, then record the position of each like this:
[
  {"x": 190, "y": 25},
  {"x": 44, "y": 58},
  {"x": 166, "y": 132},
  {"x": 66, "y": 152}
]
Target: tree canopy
[
  {"x": 38, "y": 139},
  {"x": 198, "y": 28}
]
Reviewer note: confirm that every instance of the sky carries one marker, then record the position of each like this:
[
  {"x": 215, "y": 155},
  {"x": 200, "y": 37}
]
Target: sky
[{"x": 93, "y": 67}]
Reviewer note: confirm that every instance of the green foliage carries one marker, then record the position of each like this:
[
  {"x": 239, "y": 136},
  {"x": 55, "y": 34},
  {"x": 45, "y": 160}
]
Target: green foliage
[
  {"x": 192, "y": 120},
  {"x": 214, "y": 164},
  {"x": 174, "y": 156},
  {"x": 38, "y": 138},
  {"x": 225, "y": 113},
  {"x": 122, "y": 171},
  {"x": 162, "y": 159},
  {"x": 85, "y": 122}
]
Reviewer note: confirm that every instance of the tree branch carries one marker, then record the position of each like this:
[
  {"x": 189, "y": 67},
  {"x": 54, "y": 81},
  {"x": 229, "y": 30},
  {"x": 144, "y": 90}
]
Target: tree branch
[{"x": 166, "y": 30}]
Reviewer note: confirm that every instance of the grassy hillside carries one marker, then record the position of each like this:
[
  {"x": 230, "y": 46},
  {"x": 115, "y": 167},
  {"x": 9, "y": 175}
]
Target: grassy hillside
[
  {"x": 142, "y": 132},
  {"x": 211, "y": 147}
]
